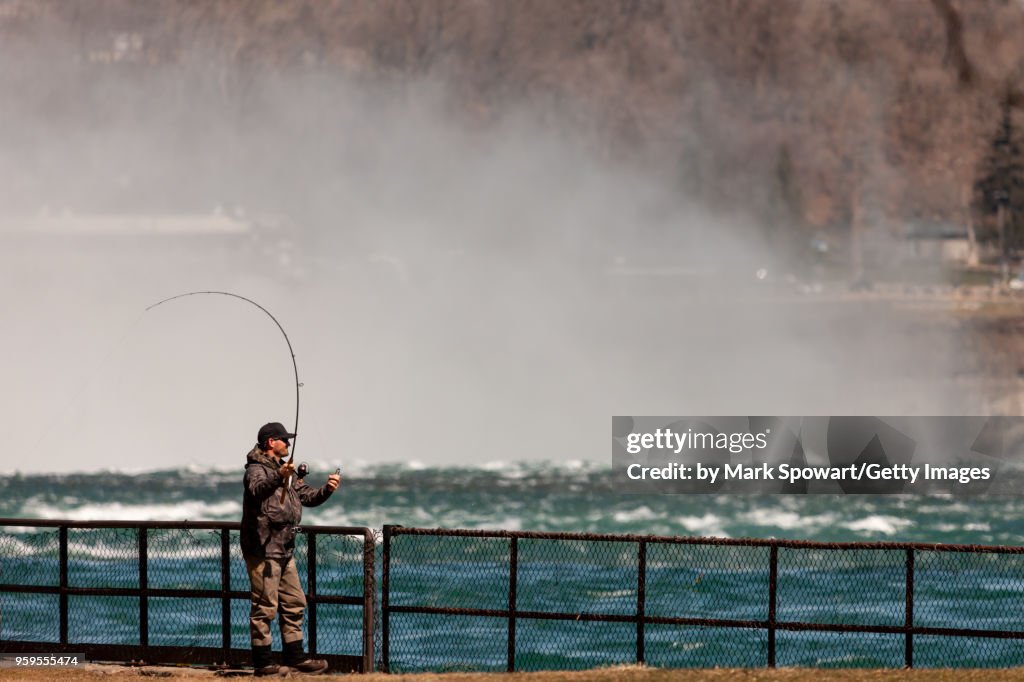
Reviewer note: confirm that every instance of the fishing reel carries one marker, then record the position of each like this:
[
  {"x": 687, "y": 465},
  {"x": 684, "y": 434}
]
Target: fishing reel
[{"x": 303, "y": 469}]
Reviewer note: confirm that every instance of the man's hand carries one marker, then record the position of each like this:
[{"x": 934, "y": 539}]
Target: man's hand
[
  {"x": 287, "y": 470},
  {"x": 333, "y": 481}
]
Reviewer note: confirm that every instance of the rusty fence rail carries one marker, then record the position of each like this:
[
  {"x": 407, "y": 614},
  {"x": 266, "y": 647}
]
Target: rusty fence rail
[
  {"x": 512, "y": 600},
  {"x": 171, "y": 591}
]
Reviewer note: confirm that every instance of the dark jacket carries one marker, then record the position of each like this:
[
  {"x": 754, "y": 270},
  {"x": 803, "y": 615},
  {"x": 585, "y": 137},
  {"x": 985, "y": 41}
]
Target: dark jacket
[{"x": 268, "y": 523}]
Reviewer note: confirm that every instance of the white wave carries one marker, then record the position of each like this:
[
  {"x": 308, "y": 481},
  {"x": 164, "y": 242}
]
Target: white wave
[
  {"x": 506, "y": 523},
  {"x": 117, "y": 551},
  {"x": 24, "y": 530},
  {"x": 422, "y": 514},
  {"x": 509, "y": 471},
  {"x": 887, "y": 525},
  {"x": 639, "y": 514},
  {"x": 495, "y": 466},
  {"x": 688, "y": 646},
  {"x": 709, "y": 525},
  {"x": 176, "y": 550},
  {"x": 350, "y": 468},
  {"x": 791, "y": 502},
  {"x": 952, "y": 527},
  {"x": 786, "y": 520},
  {"x": 21, "y": 548},
  {"x": 116, "y": 511}
]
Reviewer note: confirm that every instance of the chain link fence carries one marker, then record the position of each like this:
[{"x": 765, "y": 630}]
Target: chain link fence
[
  {"x": 174, "y": 592},
  {"x": 457, "y": 600},
  {"x": 467, "y": 600}
]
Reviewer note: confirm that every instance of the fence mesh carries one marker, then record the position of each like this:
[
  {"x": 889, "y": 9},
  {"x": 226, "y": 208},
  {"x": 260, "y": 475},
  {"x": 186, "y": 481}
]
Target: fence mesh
[
  {"x": 674, "y": 646},
  {"x": 181, "y": 558},
  {"x": 30, "y": 557},
  {"x": 467, "y": 600},
  {"x": 339, "y": 570},
  {"x": 848, "y": 586},
  {"x": 115, "y": 580},
  {"x": 965, "y": 652},
  {"x": 841, "y": 650},
  {"x": 985, "y": 591},
  {"x": 103, "y": 557},
  {"x": 447, "y": 643},
  {"x": 462, "y": 600},
  {"x": 175, "y": 621},
  {"x": 707, "y": 581}
]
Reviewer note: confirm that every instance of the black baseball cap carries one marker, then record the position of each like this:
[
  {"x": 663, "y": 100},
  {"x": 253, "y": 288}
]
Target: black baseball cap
[{"x": 273, "y": 430}]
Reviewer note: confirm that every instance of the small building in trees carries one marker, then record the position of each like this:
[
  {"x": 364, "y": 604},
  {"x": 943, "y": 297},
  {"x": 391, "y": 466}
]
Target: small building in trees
[{"x": 937, "y": 242}]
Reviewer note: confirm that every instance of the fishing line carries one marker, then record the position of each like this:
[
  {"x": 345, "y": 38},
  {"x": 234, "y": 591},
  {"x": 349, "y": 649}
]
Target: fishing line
[
  {"x": 291, "y": 352},
  {"x": 116, "y": 348}
]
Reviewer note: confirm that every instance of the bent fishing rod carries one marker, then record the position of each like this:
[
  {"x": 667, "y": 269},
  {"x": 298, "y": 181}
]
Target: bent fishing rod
[{"x": 295, "y": 367}]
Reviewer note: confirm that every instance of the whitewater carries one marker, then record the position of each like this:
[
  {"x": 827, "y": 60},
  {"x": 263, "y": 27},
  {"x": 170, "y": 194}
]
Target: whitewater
[{"x": 571, "y": 497}]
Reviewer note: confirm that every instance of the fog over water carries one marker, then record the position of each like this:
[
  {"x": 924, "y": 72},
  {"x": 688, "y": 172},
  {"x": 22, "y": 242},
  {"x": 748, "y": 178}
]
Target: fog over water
[{"x": 440, "y": 278}]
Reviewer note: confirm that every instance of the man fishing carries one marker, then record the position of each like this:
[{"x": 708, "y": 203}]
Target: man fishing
[{"x": 271, "y": 509}]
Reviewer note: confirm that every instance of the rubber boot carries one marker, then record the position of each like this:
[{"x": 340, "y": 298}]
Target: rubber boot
[
  {"x": 262, "y": 662},
  {"x": 296, "y": 659}
]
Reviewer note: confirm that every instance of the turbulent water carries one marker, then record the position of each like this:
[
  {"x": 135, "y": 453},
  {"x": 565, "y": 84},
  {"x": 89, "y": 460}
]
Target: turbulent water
[
  {"x": 574, "y": 497},
  {"x": 952, "y": 590}
]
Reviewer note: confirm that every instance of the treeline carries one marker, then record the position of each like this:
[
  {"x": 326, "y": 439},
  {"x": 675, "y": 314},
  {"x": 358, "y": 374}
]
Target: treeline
[{"x": 811, "y": 113}]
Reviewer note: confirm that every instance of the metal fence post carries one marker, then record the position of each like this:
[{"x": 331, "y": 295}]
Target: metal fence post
[
  {"x": 369, "y": 565},
  {"x": 385, "y": 602},
  {"x": 513, "y": 578},
  {"x": 311, "y": 588},
  {"x": 62, "y": 539},
  {"x": 773, "y": 585},
  {"x": 641, "y": 598},
  {"x": 909, "y": 615},
  {"x": 143, "y": 586},
  {"x": 225, "y": 586}
]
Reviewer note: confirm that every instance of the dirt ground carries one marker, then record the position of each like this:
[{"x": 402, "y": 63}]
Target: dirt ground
[{"x": 91, "y": 672}]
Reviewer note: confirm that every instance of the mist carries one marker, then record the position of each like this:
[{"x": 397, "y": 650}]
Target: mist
[{"x": 457, "y": 289}]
